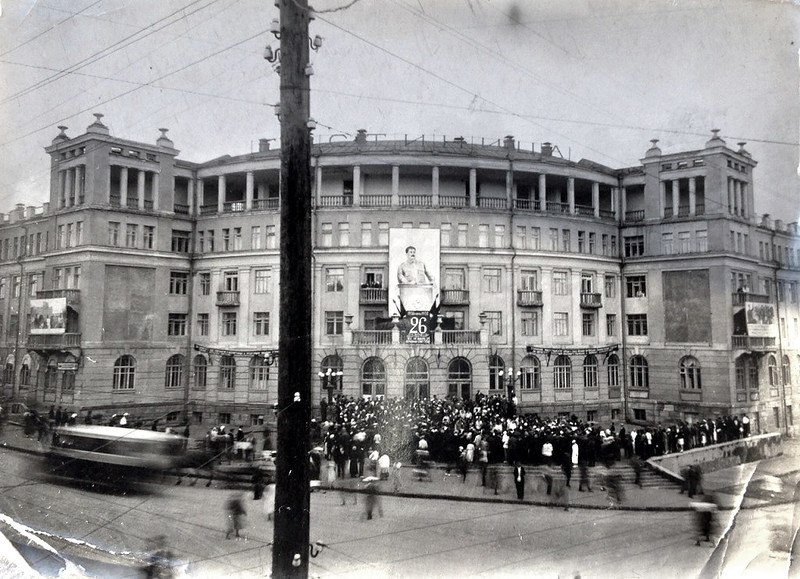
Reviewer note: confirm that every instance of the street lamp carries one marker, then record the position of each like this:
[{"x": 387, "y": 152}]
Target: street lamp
[
  {"x": 331, "y": 380},
  {"x": 510, "y": 377}
]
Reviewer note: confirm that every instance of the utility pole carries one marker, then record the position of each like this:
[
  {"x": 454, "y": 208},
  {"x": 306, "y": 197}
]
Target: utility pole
[{"x": 292, "y": 499}]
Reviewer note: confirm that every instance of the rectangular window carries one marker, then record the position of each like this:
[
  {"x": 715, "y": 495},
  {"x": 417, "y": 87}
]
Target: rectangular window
[
  {"x": 560, "y": 283},
  {"x": 604, "y": 243},
  {"x": 588, "y": 324},
  {"x": 611, "y": 324},
  {"x": 113, "y": 234},
  {"x": 148, "y": 237},
  {"x": 60, "y": 241},
  {"x": 483, "y": 235},
  {"x": 566, "y": 243},
  {"x": 529, "y": 280},
  {"x": 702, "y": 240},
  {"x": 180, "y": 241},
  {"x": 634, "y": 245},
  {"x": 3, "y": 286},
  {"x": 373, "y": 277},
  {"x": 78, "y": 235},
  {"x": 530, "y": 323},
  {"x": 255, "y": 237},
  {"x": 261, "y": 323},
  {"x": 366, "y": 234},
  {"x": 334, "y": 323},
  {"x": 344, "y": 235},
  {"x": 205, "y": 283},
  {"x": 202, "y": 324},
  {"x": 793, "y": 292},
  {"x": 553, "y": 239},
  {"x": 536, "y": 238},
  {"x": 454, "y": 278},
  {"x": 228, "y": 323},
  {"x": 237, "y": 238},
  {"x": 16, "y": 284},
  {"x": 521, "y": 236},
  {"x": 34, "y": 282},
  {"x": 176, "y": 325},
  {"x": 58, "y": 278},
  {"x": 592, "y": 242},
  {"x": 499, "y": 236},
  {"x": 666, "y": 244},
  {"x": 587, "y": 282},
  {"x": 271, "y": 237},
  {"x": 581, "y": 242},
  {"x": 226, "y": 239},
  {"x": 637, "y": 324},
  {"x": 224, "y": 418},
  {"x": 263, "y": 281},
  {"x": 495, "y": 323},
  {"x": 334, "y": 279},
  {"x": 230, "y": 281},
  {"x": 636, "y": 286},
  {"x": 560, "y": 323},
  {"x": 639, "y": 414},
  {"x": 613, "y": 245},
  {"x": 491, "y": 280},
  {"x": 684, "y": 242},
  {"x": 70, "y": 240},
  {"x": 383, "y": 234},
  {"x": 131, "y": 233},
  {"x": 457, "y": 318},
  {"x": 178, "y": 283},
  {"x": 610, "y": 283},
  {"x": 75, "y": 281},
  {"x": 39, "y": 247},
  {"x": 326, "y": 235},
  {"x": 461, "y": 235}
]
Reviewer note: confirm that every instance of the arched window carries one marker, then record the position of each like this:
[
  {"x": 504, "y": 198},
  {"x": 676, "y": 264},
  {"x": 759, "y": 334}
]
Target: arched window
[
  {"x": 259, "y": 373},
  {"x": 772, "y": 371},
  {"x": 8, "y": 370},
  {"x": 530, "y": 373},
  {"x": 459, "y": 378},
  {"x": 330, "y": 375},
  {"x": 417, "y": 379},
  {"x": 68, "y": 378},
  {"x": 25, "y": 371},
  {"x": 200, "y": 371},
  {"x": 174, "y": 374},
  {"x": 373, "y": 377},
  {"x": 227, "y": 372},
  {"x": 640, "y": 375},
  {"x": 562, "y": 372},
  {"x": 124, "y": 373},
  {"x": 496, "y": 364},
  {"x": 590, "y": 371},
  {"x": 51, "y": 374},
  {"x": 786, "y": 370},
  {"x": 690, "y": 374},
  {"x": 612, "y": 364}
]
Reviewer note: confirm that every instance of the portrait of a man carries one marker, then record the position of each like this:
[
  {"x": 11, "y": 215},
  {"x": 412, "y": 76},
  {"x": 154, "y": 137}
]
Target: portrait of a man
[{"x": 412, "y": 270}]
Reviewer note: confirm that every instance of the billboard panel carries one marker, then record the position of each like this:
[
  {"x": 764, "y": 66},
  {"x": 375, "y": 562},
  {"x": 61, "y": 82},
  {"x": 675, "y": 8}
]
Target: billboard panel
[
  {"x": 48, "y": 316},
  {"x": 760, "y": 319},
  {"x": 413, "y": 270}
]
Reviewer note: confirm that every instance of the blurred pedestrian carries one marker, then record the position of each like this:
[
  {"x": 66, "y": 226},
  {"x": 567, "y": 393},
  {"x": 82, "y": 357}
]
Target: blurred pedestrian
[
  {"x": 373, "y": 500},
  {"x": 236, "y": 514},
  {"x": 519, "y": 479},
  {"x": 396, "y": 476},
  {"x": 584, "y": 473},
  {"x": 269, "y": 500},
  {"x": 258, "y": 485},
  {"x": 705, "y": 512}
]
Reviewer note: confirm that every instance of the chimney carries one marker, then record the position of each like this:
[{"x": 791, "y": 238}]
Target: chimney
[
  {"x": 793, "y": 228},
  {"x": 30, "y": 211},
  {"x": 19, "y": 212},
  {"x": 263, "y": 145},
  {"x": 45, "y": 208},
  {"x": 508, "y": 142},
  {"x": 547, "y": 149},
  {"x": 361, "y": 136},
  {"x": 766, "y": 221},
  {"x": 779, "y": 225}
]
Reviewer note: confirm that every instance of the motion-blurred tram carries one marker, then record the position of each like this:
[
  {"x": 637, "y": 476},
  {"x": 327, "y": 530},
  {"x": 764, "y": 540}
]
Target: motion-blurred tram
[{"x": 111, "y": 454}]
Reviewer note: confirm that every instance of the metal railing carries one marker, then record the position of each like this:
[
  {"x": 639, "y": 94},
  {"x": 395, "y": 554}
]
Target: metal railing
[
  {"x": 148, "y": 204},
  {"x": 453, "y": 201},
  {"x": 634, "y": 216},
  {"x": 699, "y": 208},
  {"x": 53, "y": 341},
  {"x": 72, "y": 295},
  {"x": 739, "y": 298},
  {"x": 460, "y": 336},
  {"x": 529, "y": 298},
  {"x": 372, "y": 337},
  {"x": 453, "y": 297},
  {"x": 668, "y": 211},
  {"x": 227, "y": 298},
  {"x": 591, "y": 300},
  {"x": 683, "y": 211},
  {"x": 114, "y": 200},
  {"x": 373, "y": 295},
  {"x": 416, "y": 200}
]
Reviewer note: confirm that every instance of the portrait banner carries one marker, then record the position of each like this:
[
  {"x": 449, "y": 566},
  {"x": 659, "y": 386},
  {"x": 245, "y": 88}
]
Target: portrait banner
[
  {"x": 413, "y": 270},
  {"x": 48, "y": 316},
  {"x": 760, "y": 319}
]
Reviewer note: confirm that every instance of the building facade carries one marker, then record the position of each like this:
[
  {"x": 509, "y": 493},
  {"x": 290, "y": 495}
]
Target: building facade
[{"x": 149, "y": 284}]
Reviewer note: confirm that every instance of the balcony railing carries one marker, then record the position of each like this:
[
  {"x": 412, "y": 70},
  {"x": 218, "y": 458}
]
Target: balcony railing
[
  {"x": 374, "y": 295},
  {"x": 114, "y": 200},
  {"x": 372, "y": 337},
  {"x": 607, "y": 214},
  {"x": 233, "y": 206},
  {"x": 148, "y": 204},
  {"x": 584, "y": 210},
  {"x": 460, "y": 336},
  {"x": 668, "y": 211},
  {"x": 699, "y": 208},
  {"x": 73, "y": 295},
  {"x": 132, "y": 203},
  {"x": 753, "y": 343},
  {"x": 739, "y": 298},
  {"x": 376, "y": 200},
  {"x": 228, "y": 298},
  {"x": 180, "y": 209},
  {"x": 529, "y": 298},
  {"x": 455, "y": 297},
  {"x": 557, "y": 207},
  {"x": 634, "y": 216},
  {"x": 53, "y": 341},
  {"x": 591, "y": 300},
  {"x": 416, "y": 200},
  {"x": 492, "y": 202},
  {"x": 268, "y": 203},
  {"x": 683, "y": 211},
  {"x": 452, "y": 201},
  {"x": 336, "y": 200},
  {"x": 208, "y": 209},
  {"x": 526, "y": 204}
]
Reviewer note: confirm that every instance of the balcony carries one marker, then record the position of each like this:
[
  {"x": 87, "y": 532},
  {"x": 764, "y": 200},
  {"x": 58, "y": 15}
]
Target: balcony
[
  {"x": 529, "y": 298},
  {"x": 584, "y": 210},
  {"x": 455, "y": 297},
  {"x": 683, "y": 211},
  {"x": 228, "y": 298},
  {"x": 233, "y": 206},
  {"x": 180, "y": 209},
  {"x": 372, "y": 337},
  {"x": 208, "y": 209},
  {"x": 376, "y": 200},
  {"x": 73, "y": 295},
  {"x": 526, "y": 204},
  {"x": 53, "y": 341},
  {"x": 557, "y": 207},
  {"x": 268, "y": 203},
  {"x": 492, "y": 202},
  {"x": 416, "y": 201},
  {"x": 753, "y": 343},
  {"x": 373, "y": 296},
  {"x": 453, "y": 201},
  {"x": 607, "y": 214},
  {"x": 739, "y": 298},
  {"x": 591, "y": 300},
  {"x": 460, "y": 336},
  {"x": 634, "y": 216},
  {"x": 336, "y": 201}
]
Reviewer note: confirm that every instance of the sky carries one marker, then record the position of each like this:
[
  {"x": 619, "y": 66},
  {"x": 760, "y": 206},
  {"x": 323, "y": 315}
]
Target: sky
[{"x": 597, "y": 78}]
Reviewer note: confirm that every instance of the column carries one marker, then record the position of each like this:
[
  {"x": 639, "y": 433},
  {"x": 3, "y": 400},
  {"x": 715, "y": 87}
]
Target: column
[
  {"x": 435, "y": 186},
  {"x": 739, "y": 197},
  {"x": 156, "y": 196},
  {"x": 76, "y": 191},
  {"x": 356, "y": 185},
  {"x": 623, "y": 203},
  {"x": 69, "y": 181},
  {"x": 736, "y": 194},
  {"x": 744, "y": 199},
  {"x": 542, "y": 192},
  {"x": 571, "y": 195},
  {"x": 596, "y": 199},
  {"x": 123, "y": 186},
  {"x": 395, "y": 185},
  {"x": 692, "y": 195},
  {"x": 318, "y": 184},
  {"x": 473, "y": 187},
  {"x": 509, "y": 189},
  {"x": 248, "y": 190},
  {"x": 142, "y": 175},
  {"x": 730, "y": 195},
  {"x": 615, "y": 202},
  {"x": 221, "y": 191},
  {"x": 200, "y": 196},
  {"x": 663, "y": 196},
  {"x": 676, "y": 197},
  {"x": 62, "y": 183},
  {"x": 190, "y": 196}
]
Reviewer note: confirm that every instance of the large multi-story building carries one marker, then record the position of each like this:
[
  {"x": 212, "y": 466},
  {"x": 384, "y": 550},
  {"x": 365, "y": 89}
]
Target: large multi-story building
[{"x": 149, "y": 284}]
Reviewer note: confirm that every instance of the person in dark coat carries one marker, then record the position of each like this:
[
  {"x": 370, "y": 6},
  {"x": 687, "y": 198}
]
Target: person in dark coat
[
  {"x": 519, "y": 479},
  {"x": 258, "y": 485}
]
